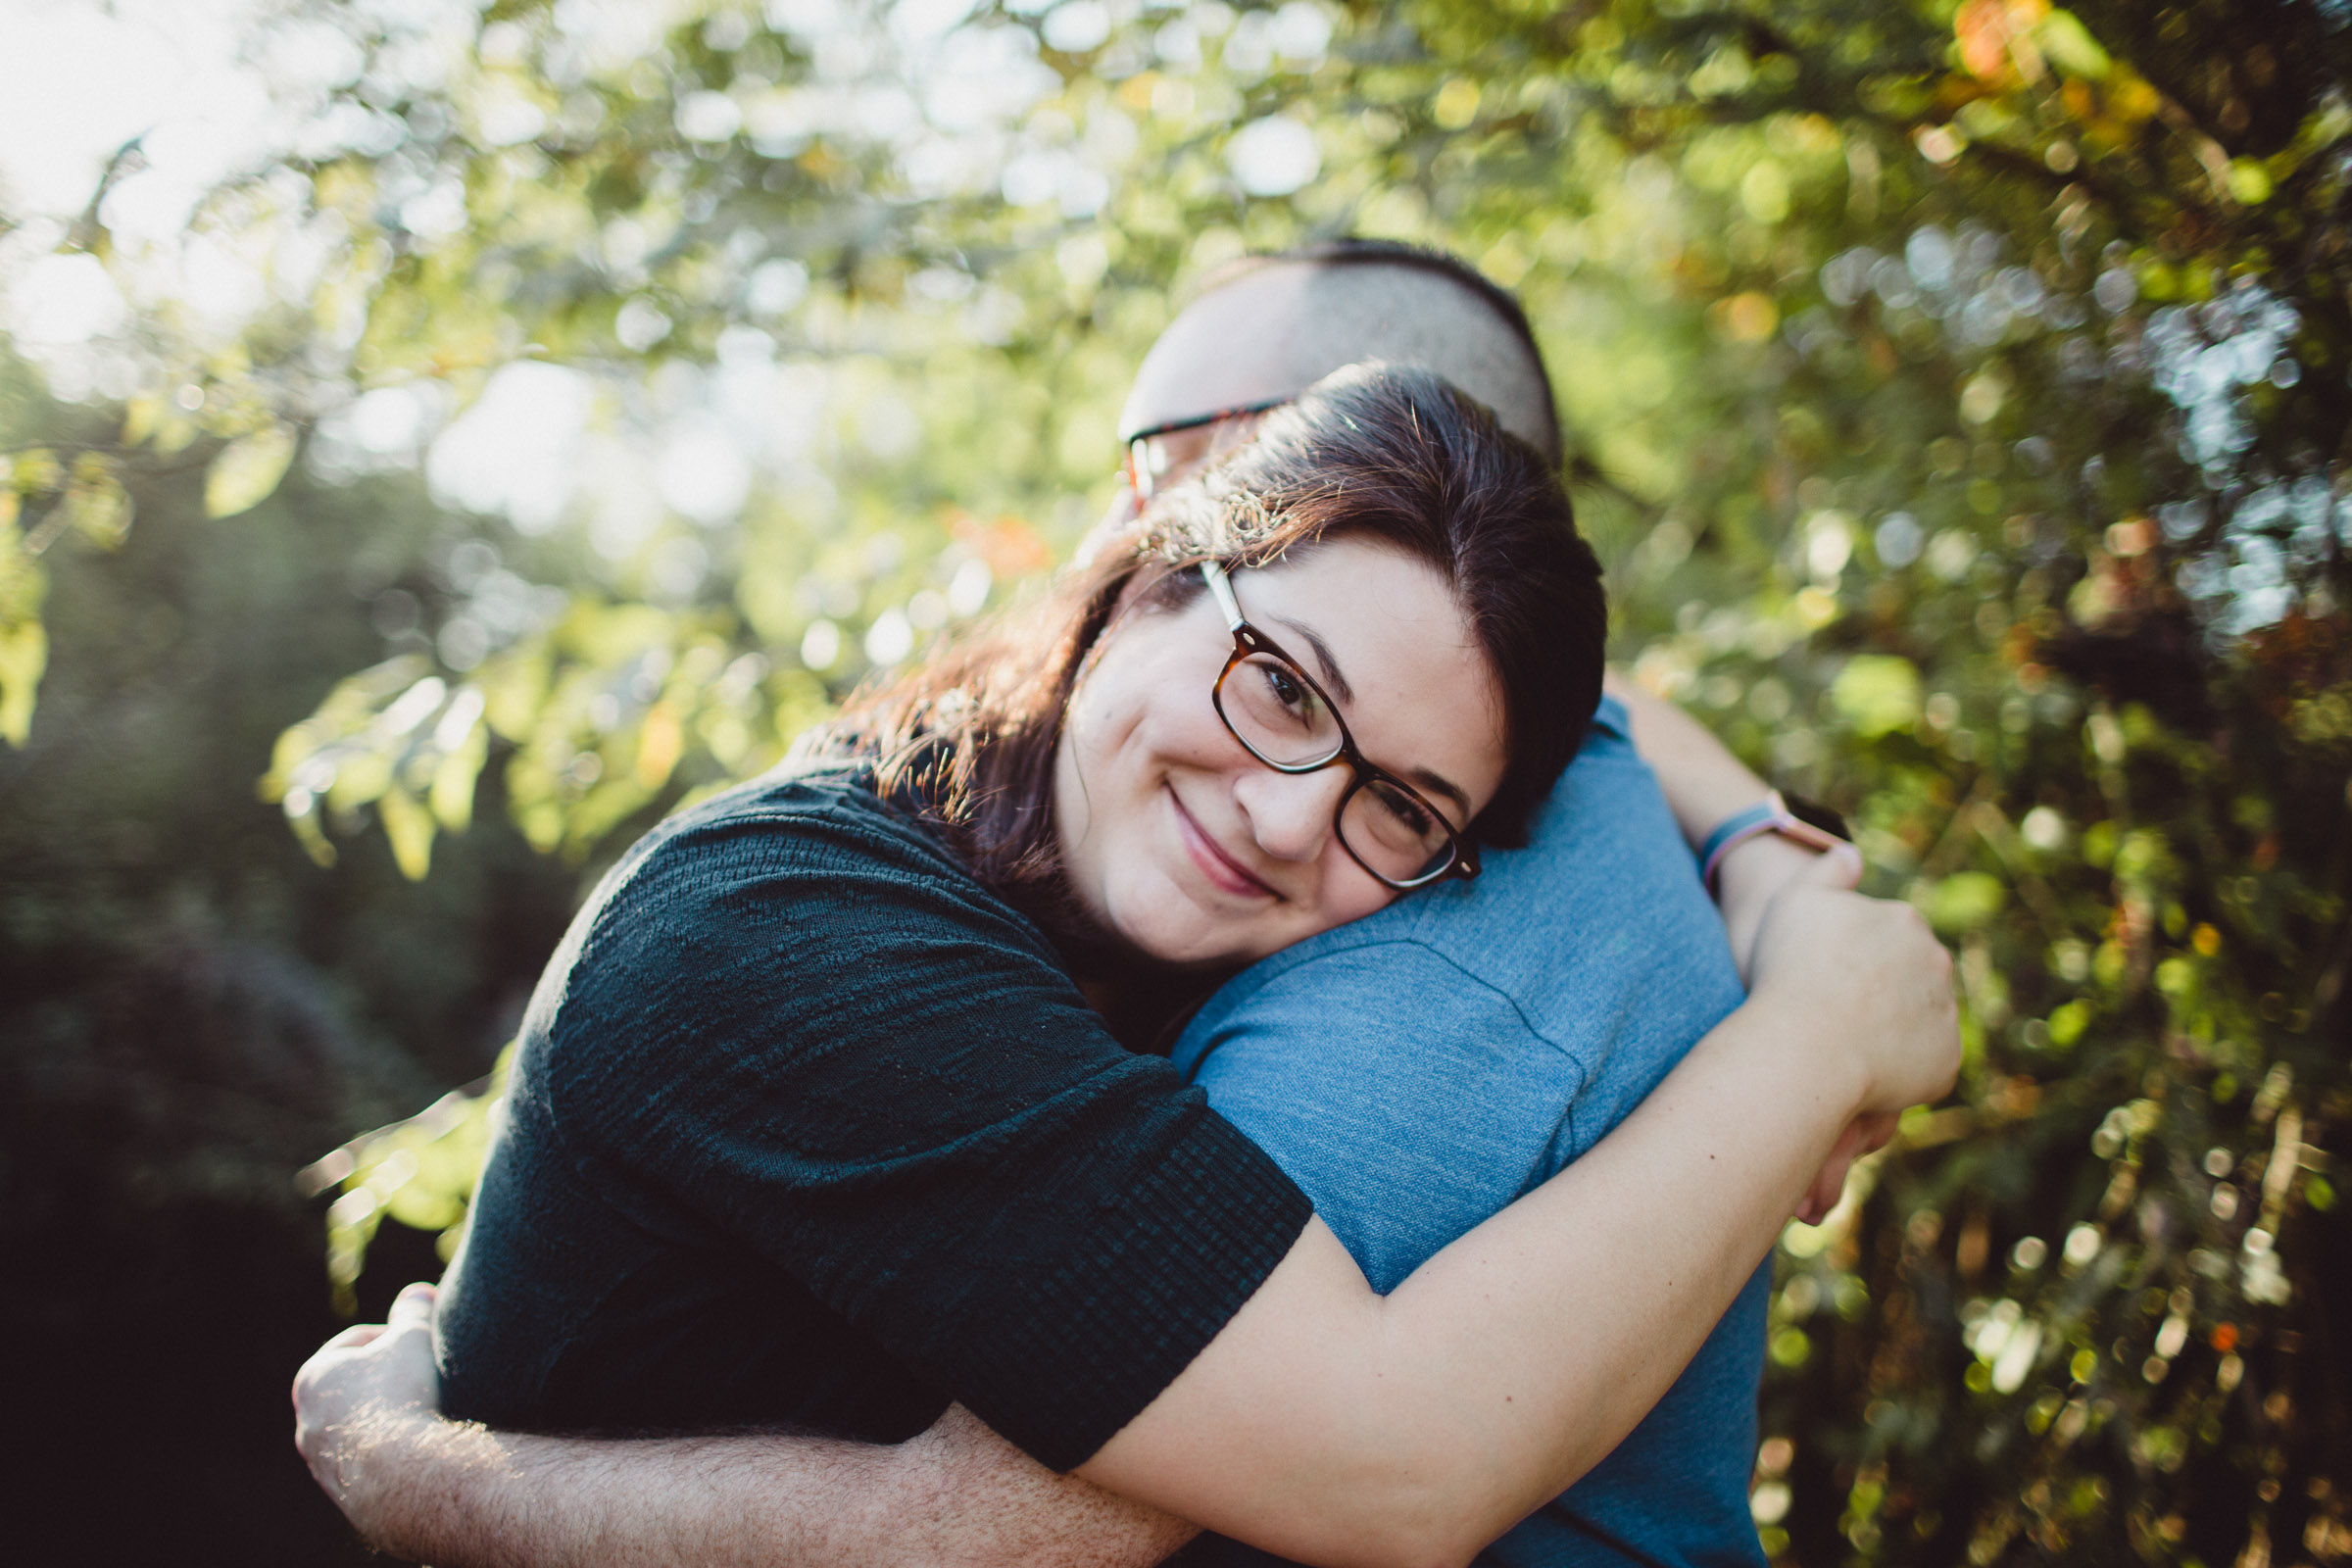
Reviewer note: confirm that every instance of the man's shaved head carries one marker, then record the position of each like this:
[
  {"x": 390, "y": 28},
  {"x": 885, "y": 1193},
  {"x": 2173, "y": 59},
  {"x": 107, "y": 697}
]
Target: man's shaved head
[{"x": 1268, "y": 327}]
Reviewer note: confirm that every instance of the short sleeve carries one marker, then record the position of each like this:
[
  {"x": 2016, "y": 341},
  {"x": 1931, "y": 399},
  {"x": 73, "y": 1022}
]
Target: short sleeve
[
  {"x": 821, "y": 1035},
  {"x": 1409, "y": 1098}
]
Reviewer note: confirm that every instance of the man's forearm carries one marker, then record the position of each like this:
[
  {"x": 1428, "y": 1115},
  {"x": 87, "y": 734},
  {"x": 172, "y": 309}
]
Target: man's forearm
[
  {"x": 1703, "y": 784},
  {"x": 460, "y": 1495},
  {"x": 464, "y": 1497},
  {"x": 1702, "y": 781}
]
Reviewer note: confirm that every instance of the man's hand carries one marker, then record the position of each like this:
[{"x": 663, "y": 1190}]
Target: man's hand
[
  {"x": 371, "y": 1385},
  {"x": 1866, "y": 1135},
  {"x": 367, "y": 1418}
]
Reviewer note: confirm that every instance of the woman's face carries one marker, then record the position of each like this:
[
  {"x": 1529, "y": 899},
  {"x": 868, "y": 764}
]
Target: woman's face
[{"x": 1190, "y": 850}]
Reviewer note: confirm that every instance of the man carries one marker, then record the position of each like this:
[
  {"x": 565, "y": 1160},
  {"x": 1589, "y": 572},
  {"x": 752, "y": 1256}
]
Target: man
[{"x": 1414, "y": 1073}]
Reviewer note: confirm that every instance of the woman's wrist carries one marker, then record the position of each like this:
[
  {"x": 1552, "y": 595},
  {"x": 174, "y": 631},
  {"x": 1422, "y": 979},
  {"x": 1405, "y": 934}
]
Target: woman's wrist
[{"x": 1749, "y": 878}]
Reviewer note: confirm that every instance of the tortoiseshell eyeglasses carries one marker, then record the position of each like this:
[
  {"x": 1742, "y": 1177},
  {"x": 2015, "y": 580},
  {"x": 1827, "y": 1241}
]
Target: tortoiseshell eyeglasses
[{"x": 1282, "y": 717}]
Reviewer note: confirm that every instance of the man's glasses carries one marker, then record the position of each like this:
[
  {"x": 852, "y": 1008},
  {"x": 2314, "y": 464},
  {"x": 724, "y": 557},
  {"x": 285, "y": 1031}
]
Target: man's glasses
[
  {"x": 1163, "y": 449},
  {"x": 1284, "y": 719}
]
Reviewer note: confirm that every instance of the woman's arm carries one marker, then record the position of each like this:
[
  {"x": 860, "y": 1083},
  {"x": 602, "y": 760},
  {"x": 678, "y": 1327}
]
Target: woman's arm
[{"x": 1333, "y": 1425}]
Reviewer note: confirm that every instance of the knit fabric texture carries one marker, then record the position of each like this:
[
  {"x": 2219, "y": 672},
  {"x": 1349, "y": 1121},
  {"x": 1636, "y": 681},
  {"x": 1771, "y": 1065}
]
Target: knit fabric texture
[{"x": 809, "y": 1129}]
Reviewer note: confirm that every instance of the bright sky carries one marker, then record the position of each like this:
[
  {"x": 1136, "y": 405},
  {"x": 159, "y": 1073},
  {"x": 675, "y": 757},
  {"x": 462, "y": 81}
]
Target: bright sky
[
  {"x": 214, "y": 87},
  {"x": 80, "y": 77}
]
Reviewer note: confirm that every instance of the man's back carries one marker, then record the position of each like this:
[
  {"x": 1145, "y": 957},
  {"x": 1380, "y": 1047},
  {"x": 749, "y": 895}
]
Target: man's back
[{"x": 1417, "y": 1071}]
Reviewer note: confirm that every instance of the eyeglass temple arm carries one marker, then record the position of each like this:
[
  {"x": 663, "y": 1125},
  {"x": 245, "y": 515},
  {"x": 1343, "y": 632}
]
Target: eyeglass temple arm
[{"x": 1213, "y": 574}]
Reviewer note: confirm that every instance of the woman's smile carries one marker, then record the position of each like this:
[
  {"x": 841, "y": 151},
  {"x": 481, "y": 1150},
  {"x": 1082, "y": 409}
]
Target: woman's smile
[
  {"x": 1223, "y": 870},
  {"x": 1186, "y": 847}
]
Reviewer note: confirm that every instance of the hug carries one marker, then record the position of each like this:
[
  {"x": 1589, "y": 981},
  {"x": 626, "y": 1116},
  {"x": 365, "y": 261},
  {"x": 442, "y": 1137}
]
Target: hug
[{"x": 1265, "y": 1051}]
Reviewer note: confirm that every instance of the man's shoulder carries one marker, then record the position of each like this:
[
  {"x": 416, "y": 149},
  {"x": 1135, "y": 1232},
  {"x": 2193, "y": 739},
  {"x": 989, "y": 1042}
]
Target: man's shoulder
[
  {"x": 1599, "y": 918},
  {"x": 1603, "y": 850}
]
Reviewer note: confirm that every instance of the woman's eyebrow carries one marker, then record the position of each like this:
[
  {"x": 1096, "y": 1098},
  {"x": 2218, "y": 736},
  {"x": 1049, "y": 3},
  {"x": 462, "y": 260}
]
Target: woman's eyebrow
[
  {"x": 1431, "y": 779},
  {"x": 1427, "y": 779},
  {"x": 1330, "y": 665}
]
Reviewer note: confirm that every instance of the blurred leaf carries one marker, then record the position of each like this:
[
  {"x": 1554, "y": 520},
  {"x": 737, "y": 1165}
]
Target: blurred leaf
[
  {"x": 421, "y": 1172},
  {"x": 1966, "y": 902},
  {"x": 2071, "y": 47},
  {"x": 142, "y": 416},
  {"x": 452, "y": 795},
  {"x": 659, "y": 740},
  {"x": 24, "y": 639},
  {"x": 1878, "y": 694},
  {"x": 244, "y": 473},
  {"x": 410, "y": 827},
  {"x": 96, "y": 505},
  {"x": 24, "y": 655},
  {"x": 33, "y": 470}
]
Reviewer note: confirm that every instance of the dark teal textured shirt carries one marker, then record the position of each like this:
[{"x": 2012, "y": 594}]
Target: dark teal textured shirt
[{"x": 811, "y": 1129}]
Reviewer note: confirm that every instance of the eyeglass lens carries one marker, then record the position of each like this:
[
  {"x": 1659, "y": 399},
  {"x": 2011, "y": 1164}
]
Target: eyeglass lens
[{"x": 1283, "y": 719}]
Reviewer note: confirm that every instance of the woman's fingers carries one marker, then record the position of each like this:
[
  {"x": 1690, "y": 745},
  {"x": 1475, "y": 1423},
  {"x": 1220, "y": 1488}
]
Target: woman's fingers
[
  {"x": 1877, "y": 1130},
  {"x": 1828, "y": 1183},
  {"x": 1838, "y": 866},
  {"x": 1865, "y": 1134},
  {"x": 1870, "y": 981}
]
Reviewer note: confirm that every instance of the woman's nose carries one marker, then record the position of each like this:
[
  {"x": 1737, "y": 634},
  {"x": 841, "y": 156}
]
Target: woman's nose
[{"x": 1291, "y": 814}]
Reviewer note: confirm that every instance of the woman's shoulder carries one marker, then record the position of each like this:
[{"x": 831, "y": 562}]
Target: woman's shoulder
[
  {"x": 802, "y": 843},
  {"x": 803, "y": 810},
  {"x": 794, "y": 882}
]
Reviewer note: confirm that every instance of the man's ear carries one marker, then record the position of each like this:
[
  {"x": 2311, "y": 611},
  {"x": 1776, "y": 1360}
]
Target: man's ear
[{"x": 1125, "y": 507}]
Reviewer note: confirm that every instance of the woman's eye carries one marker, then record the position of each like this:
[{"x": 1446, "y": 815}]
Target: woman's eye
[
  {"x": 1288, "y": 689},
  {"x": 1404, "y": 808}
]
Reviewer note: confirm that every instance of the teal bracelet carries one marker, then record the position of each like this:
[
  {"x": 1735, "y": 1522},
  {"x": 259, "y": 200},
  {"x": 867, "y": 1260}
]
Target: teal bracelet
[
  {"x": 1768, "y": 815},
  {"x": 1735, "y": 830}
]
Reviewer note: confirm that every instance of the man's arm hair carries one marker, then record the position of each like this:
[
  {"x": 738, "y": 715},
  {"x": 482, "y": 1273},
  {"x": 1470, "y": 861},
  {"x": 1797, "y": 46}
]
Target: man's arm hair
[
  {"x": 459, "y": 1495},
  {"x": 957, "y": 1495}
]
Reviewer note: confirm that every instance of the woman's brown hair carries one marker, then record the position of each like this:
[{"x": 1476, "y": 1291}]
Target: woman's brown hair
[{"x": 1371, "y": 452}]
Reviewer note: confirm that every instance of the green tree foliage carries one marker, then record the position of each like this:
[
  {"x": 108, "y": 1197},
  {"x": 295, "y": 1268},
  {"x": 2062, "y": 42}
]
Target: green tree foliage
[
  {"x": 190, "y": 1011},
  {"x": 1958, "y": 394}
]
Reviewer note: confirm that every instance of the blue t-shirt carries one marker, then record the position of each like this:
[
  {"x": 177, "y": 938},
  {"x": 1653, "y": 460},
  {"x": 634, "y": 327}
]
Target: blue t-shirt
[{"x": 1417, "y": 1071}]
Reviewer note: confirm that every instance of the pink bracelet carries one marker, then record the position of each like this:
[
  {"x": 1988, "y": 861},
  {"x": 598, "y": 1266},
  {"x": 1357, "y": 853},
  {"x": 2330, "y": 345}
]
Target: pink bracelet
[{"x": 1769, "y": 815}]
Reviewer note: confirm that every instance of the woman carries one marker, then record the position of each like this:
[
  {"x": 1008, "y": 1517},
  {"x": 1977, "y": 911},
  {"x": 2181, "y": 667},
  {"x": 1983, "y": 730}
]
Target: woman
[{"x": 847, "y": 1221}]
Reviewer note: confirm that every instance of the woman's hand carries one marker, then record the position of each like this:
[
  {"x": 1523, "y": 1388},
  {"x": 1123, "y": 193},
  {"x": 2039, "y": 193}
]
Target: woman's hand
[
  {"x": 1752, "y": 880},
  {"x": 361, "y": 1397},
  {"x": 1871, "y": 981},
  {"x": 1753, "y": 876}
]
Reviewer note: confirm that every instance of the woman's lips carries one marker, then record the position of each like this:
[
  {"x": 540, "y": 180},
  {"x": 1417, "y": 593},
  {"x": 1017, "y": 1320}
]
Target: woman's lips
[{"x": 1223, "y": 871}]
